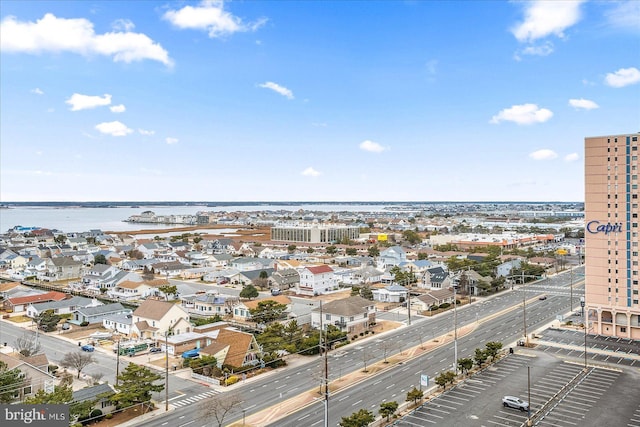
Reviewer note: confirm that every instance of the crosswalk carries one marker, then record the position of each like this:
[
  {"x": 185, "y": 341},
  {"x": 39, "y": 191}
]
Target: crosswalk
[{"x": 193, "y": 399}]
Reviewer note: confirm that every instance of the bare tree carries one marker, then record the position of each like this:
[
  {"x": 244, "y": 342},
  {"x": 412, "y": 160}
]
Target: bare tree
[
  {"x": 27, "y": 345},
  {"x": 386, "y": 346},
  {"x": 77, "y": 361},
  {"x": 218, "y": 407},
  {"x": 366, "y": 357},
  {"x": 95, "y": 378}
]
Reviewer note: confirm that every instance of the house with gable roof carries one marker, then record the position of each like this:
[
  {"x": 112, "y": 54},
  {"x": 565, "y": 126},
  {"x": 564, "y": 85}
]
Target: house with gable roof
[
  {"x": 232, "y": 347},
  {"x": 34, "y": 378},
  {"x": 242, "y": 310},
  {"x": 435, "y": 278},
  {"x": 93, "y": 315},
  {"x": 391, "y": 293},
  {"x": 153, "y": 318},
  {"x": 20, "y": 304},
  {"x": 65, "y": 306},
  {"x": 352, "y": 315},
  {"x": 391, "y": 257},
  {"x": 316, "y": 280},
  {"x": 99, "y": 395}
]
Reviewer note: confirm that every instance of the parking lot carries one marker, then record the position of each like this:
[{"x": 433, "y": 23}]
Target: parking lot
[{"x": 599, "y": 397}]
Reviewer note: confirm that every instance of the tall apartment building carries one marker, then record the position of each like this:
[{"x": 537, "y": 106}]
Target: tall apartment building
[
  {"x": 314, "y": 233},
  {"x": 612, "y": 258}
]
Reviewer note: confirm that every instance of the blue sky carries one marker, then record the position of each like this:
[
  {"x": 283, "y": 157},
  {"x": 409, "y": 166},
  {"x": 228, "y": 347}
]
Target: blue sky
[{"x": 311, "y": 101}]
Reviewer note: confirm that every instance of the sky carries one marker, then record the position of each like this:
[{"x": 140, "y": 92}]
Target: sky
[{"x": 311, "y": 100}]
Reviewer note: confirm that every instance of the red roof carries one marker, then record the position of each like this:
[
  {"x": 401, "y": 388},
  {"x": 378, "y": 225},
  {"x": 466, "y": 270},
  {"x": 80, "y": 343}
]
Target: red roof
[
  {"x": 320, "y": 269},
  {"x": 31, "y": 299}
]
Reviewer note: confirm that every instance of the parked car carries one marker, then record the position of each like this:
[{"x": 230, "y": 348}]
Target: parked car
[
  {"x": 542, "y": 297},
  {"x": 155, "y": 350},
  {"x": 88, "y": 347},
  {"x": 515, "y": 402}
]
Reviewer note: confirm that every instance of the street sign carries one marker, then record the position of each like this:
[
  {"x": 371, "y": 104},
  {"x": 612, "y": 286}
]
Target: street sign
[{"x": 424, "y": 380}]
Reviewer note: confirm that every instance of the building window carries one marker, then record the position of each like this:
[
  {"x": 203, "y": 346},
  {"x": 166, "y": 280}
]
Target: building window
[{"x": 623, "y": 329}]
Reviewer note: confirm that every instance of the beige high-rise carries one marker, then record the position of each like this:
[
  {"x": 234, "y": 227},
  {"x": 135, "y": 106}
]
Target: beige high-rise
[{"x": 612, "y": 263}]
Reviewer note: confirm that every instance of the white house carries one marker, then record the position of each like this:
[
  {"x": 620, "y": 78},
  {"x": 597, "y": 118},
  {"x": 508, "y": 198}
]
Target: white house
[
  {"x": 153, "y": 318},
  {"x": 317, "y": 280},
  {"x": 392, "y": 293},
  {"x": 351, "y": 315}
]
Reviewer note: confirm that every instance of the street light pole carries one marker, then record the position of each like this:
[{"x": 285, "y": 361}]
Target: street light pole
[
  {"x": 166, "y": 370},
  {"x": 529, "y": 395},
  {"x": 524, "y": 310},
  {"x": 584, "y": 323},
  {"x": 571, "y": 292}
]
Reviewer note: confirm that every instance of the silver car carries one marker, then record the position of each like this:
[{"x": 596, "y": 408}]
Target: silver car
[{"x": 515, "y": 402}]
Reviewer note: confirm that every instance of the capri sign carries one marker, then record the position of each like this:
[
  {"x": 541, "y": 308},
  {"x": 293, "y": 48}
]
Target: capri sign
[{"x": 595, "y": 227}]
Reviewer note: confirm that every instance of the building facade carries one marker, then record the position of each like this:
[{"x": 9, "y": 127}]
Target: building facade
[
  {"x": 611, "y": 235},
  {"x": 314, "y": 233}
]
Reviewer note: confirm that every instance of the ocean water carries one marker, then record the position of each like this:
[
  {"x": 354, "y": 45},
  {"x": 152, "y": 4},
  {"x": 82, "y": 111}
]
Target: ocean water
[{"x": 79, "y": 219}]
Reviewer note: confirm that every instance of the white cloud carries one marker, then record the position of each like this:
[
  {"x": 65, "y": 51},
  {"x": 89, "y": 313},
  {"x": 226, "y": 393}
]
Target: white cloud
[
  {"x": 37, "y": 91},
  {"x": 571, "y": 157},
  {"x": 146, "y": 132},
  {"x": 543, "y": 154},
  {"x": 118, "y": 108},
  {"x": 52, "y": 34},
  {"x": 371, "y": 146},
  {"x": 310, "y": 172},
  {"x": 543, "y": 18},
  {"x": 524, "y": 114},
  {"x": 210, "y": 16},
  {"x": 85, "y": 102},
  {"x": 277, "y": 88},
  {"x": 585, "y": 104},
  {"x": 623, "y": 77},
  {"x": 624, "y": 15},
  {"x": 123, "y": 25},
  {"x": 170, "y": 140},
  {"x": 543, "y": 49},
  {"x": 115, "y": 128}
]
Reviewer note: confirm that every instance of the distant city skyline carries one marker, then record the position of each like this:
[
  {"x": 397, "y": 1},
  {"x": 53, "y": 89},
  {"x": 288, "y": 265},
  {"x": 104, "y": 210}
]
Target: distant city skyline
[{"x": 311, "y": 101}]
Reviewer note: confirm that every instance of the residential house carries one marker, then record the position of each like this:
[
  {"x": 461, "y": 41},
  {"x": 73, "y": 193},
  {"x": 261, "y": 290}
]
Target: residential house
[
  {"x": 209, "y": 303},
  {"x": 505, "y": 269},
  {"x": 99, "y": 394},
  {"x": 11, "y": 260},
  {"x": 433, "y": 298},
  {"x": 317, "y": 280},
  {"x": 20, "y": 304},
  {"x": 232, "y": 347},
  {"x": 66, "y": 268},
  {"x": 392, "y": 293},
  {"x": 287, "y": 278},
  {"x": 196, "y": 273},
  {"x": 248, "y": 264},
  {"x": 34, "y": 379},
  {"x": 435, "y": 278},
  {"x": 352, "y": 315},
  {"x": 154, "y": 318},
  {"x": 253, "y": 276},
  {"x": 364, "y": 275},
  {"x": 65, "y": 306},
  {"x": 242, "y": 310},
  {"x": 391, "y": 257},
  {"x": 470, "y": 282},
  {"x": 130, "y": 290},
  {"x": 93, "y": 315},
  {"x": 121, "y": 323}
]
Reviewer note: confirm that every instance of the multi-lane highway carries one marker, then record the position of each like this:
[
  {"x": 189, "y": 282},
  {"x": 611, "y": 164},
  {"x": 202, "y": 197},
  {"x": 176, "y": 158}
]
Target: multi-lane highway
[{"x": 270, "y": 391}]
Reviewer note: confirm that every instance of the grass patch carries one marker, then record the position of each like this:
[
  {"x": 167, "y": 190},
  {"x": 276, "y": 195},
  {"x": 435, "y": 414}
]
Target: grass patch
[{"x": 19, "y": 319}]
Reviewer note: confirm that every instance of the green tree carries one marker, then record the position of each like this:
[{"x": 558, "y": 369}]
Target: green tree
[
  {"x": 168, "y": 290},
  {"x": 11, "y": 381},
  {"x": 267, "y": 311},
  {"x": 60, "y": 239},
  {"x": 292, "y": 332},
  {"x": 362, "y": 418},
  {"x": 423, "y": 255},
  {"x": 47, "y": 320},
  {"x": 355, "y": 291},
  {"x": 414, "y": 395},
  {"x": 465, "y": 364},
  {"x": 331, "y": 250},
  {"x": 61, "y": 394},
  {"x": 373, "y": 251},
  {"x": 387, "y": 409},
  {"x": 310, "y": 250},
  {"x": 411, "y": 236},
  {"x": 136, "y": 383},
  {"x": 442, "y": 380},
  {"x": 480, "y": 357},
  {"x": 272, "y": 339},
  {"x": 100, "y": 259},
  {"x": 366, "y": 292},
  {"x": 291, "y": 248},
  {"x": 493, "y": 347},
  {"x": 351, "y": 251},
  {"x": 249, "y": 292}
]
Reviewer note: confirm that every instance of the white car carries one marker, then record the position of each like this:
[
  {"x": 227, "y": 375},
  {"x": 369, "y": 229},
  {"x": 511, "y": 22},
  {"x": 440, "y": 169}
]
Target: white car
[{"x": 515, "y": 402}]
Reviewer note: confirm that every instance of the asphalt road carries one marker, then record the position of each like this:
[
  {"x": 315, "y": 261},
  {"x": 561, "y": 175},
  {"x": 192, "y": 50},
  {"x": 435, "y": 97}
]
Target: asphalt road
[{"x": 268, "y": 392}]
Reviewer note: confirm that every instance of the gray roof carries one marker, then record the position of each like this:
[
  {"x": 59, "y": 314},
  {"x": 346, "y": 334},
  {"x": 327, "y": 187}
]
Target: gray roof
[
  {"x": 92, "y": 393},
  {"x": 350, "y": 306},
  {"x": 70, "y": 302},
  {"x": 122, "y": 318},
  {"x": 255, "y": 274},
  {"x": 102, "y": 309}
]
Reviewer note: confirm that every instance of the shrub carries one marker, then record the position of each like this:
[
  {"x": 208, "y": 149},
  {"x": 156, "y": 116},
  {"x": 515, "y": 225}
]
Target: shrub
[
  {"x": 231, "y": 380},
  {"x": 85, "y": 323},
  {"x": 109, "y": 416},
  {"x": 445, "y": 305}
]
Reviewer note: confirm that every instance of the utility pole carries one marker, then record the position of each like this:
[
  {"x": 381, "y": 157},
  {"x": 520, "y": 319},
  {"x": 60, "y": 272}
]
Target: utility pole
[
  {"x": 166, "y": 370},
  {"x": 323, "y": 352},
  {"x": 455, "y": 333},
  {"x": 118, "y": 361},
  {"x": 571, "y": 292},
  {"x": 524, "y": 310},
  {"x": 584, "y": 321},
  {"x": 529, "y": 395}
]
